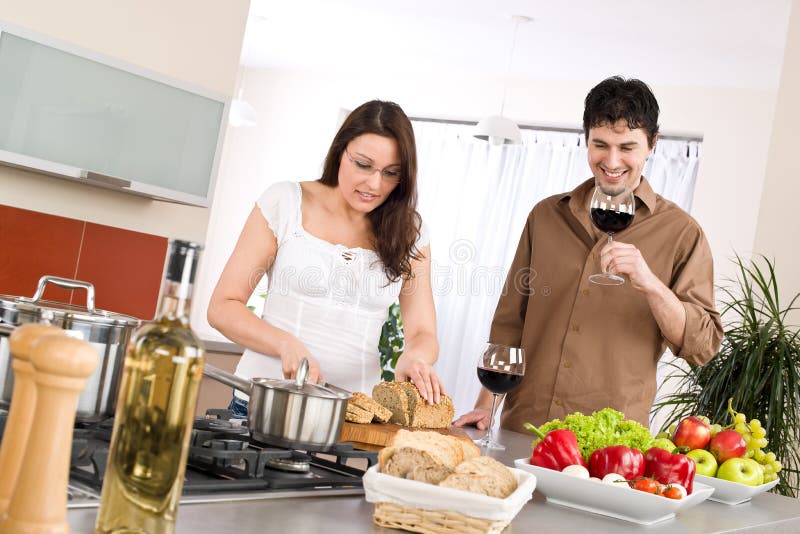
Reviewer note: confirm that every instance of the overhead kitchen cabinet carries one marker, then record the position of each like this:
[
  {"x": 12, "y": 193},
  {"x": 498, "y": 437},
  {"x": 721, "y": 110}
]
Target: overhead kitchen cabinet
[{"x": 75, "y": 114}]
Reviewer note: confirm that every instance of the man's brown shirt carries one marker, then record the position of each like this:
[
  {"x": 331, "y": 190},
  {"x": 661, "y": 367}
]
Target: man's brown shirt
[{"x": 590, "y": 346}]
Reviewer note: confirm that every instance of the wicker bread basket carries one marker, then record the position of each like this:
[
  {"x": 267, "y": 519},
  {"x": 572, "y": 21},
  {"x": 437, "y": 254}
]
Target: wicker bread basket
[
  {"x": 392, "y": 515},
  {"x": 429, "y": 509}
]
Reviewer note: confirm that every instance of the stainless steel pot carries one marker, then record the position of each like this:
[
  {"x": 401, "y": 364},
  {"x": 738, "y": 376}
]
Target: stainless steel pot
[
  {"x": 108, "y": 333},
  {"x": 290, "y": 413}
]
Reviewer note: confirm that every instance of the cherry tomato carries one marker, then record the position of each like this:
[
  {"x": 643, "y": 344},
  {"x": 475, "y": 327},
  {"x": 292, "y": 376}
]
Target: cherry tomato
[
  {"x": 673, "y": 493},
  {"x": 648, "y": 485}
]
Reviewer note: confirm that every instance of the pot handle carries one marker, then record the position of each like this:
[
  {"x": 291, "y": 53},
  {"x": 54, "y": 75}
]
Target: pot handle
[
  {"x": 302, "y": 373},
  {"x": 66, "y": 283},
  {"x": 228, "y": 379}
]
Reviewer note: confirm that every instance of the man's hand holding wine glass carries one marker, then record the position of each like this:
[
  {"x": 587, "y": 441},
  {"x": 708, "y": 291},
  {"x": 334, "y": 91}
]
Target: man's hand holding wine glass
[{"x": 623, "y": 258}]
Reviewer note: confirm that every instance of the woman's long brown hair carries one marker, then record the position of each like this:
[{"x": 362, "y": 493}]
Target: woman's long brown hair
[{"x": 395, "y": 223}]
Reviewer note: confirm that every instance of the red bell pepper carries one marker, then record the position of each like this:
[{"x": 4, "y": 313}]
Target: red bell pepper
[
  {"x": 556, "y": 450},
  {"x": 669, "y": 468},
  {"x": 617, "y": 459}
]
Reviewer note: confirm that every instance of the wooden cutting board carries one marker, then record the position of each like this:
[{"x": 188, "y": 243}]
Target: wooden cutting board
[{"x": 375, "y": 436}]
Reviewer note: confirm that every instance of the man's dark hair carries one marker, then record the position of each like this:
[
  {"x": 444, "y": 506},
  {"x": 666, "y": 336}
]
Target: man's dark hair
[{"x": 617, "y": 98}]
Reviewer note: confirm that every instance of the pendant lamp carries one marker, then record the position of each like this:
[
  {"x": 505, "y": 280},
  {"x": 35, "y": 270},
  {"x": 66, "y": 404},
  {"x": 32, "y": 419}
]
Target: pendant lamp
[
  {"x": 497, "y": 129},
  {"x": 242, "y": 113}
]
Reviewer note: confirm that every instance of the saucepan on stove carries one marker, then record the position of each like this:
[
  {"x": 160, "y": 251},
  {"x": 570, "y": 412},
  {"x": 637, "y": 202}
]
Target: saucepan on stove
[
  {"x": 290, "y": 413},
  {"x": 107, "y": 332}
]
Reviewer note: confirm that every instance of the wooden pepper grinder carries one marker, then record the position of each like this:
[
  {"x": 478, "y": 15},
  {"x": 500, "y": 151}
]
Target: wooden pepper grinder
[
  {"x": 23, "y": 404},
  {"x": 39, "y": 504}
]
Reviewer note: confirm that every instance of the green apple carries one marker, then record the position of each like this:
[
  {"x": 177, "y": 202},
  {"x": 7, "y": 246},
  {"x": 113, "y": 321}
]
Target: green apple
[
  {"x": 705, "y": 462},
  {"x": 664, "y": 443},
  {"x": 742, "y": 470}
]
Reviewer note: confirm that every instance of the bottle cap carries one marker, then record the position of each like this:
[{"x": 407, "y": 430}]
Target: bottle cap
[{"x": 183, "y": 258}]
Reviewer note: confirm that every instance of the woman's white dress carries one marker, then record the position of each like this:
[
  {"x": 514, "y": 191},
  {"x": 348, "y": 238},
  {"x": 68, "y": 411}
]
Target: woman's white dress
[{"x": 333, "y": 298}]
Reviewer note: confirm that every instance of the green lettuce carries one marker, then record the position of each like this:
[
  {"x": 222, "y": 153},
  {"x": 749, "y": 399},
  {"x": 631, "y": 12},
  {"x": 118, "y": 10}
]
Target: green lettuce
[{"x": 603, "y": 428}]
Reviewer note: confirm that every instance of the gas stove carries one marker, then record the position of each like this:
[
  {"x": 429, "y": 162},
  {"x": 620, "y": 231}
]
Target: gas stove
[{"x": 225, "y": 464}]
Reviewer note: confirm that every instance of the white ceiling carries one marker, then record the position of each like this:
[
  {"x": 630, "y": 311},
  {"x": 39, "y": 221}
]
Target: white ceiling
[{"x": 726, "y": 43}]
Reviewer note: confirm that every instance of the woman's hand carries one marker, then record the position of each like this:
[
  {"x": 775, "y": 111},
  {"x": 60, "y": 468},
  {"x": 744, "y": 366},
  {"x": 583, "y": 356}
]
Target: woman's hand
[
  {"x": 292, "y": 351},
  {"x": 421, "y": 373},
  {"x": 478, "y": 418}
]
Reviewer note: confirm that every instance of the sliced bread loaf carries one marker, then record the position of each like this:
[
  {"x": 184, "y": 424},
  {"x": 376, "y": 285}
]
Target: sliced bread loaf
[
  {"x": 482, "y": 474},
  {"x": 431, "y": 474},
  {"x": 410, "y": 409},
  {"x": 392, "y": 396},
  {"x": 365, "y": 402},
  {"x": 354, "y": 414},
  {"x": 408, "y": 450},
  {"x": 425, "y": 415}
]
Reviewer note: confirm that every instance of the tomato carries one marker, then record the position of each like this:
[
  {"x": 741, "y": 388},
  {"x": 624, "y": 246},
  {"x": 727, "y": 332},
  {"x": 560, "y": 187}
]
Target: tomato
[
  {"x": 673, "y": 493},
  {"x": 648, "y": 485}
]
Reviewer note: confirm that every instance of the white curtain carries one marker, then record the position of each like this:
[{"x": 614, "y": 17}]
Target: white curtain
[{"x": 475, "y": 199}]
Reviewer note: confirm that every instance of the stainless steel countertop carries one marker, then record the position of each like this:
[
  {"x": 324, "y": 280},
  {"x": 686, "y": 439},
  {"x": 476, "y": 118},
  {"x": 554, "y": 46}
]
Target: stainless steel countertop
[{"x": 765, "y": 513}]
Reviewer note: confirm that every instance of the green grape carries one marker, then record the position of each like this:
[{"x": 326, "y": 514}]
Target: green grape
[
  {"x": 759, "y": 432},
  {"x": 747, "y": 437},
  {"x": 740, "y": 418},
  {"x": 671, "y": 430},
  {"x": 749, "y": 453},
  {"x": 776, "y": 466},
  {"x": 715, "y": 429},
  {"x": 664, "y": 435},
  {"x": 769, "y": 477},
  {"x": 755, "y": 423},
  {"x": 761, "y": 442},
  {"x": 759, "y": 456},
  {"x": 741, "y": 428},
  {"x": 769, "y": 457},
  {"x": 769, "y": 468}
]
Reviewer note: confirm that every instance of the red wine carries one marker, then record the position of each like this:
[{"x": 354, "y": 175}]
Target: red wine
[
  {"x": 498, "y": 382},
  {"x": 610, "y": 221}
]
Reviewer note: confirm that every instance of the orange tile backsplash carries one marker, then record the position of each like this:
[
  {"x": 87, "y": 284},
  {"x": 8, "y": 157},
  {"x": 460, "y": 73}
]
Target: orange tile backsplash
[{"x": 125, "y": 267}]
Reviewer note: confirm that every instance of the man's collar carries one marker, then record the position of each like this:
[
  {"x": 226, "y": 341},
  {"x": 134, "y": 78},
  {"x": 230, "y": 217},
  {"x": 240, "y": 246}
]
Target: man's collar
[{"x": 643, "y": 192}]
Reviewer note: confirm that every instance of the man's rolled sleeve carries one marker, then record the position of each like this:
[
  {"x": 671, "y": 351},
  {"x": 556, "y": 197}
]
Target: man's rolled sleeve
[
  {"x": 693, "y": 284},
  {"x": 509, "y": 316}
]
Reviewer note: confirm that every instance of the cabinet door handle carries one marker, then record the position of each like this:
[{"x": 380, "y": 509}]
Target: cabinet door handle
[{"x": 105, "y": 179}]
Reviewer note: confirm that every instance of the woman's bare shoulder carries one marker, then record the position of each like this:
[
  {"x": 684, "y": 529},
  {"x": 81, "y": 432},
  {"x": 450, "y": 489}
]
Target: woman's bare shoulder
[{"x": 315, "y": 194}]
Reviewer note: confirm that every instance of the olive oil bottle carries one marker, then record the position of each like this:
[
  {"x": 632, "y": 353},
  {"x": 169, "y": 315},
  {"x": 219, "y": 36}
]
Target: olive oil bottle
[{"x": 155, "y": 411}]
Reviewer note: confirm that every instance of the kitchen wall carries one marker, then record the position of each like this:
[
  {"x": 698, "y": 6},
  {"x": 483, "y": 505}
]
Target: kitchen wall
[
  {"x": 298, "y": 113},
  {"x": 776, "y": 234},
  {"x": 195, "y": 41}
]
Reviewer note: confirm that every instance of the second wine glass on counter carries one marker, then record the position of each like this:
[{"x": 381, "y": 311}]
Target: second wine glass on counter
[{"x": 500, "y": 369}]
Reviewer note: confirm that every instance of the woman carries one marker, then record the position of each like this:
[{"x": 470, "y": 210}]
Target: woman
[{"x": 337, "y": 253}]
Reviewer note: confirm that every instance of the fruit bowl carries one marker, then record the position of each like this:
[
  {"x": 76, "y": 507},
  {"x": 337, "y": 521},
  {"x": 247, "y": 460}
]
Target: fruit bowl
[
  {"x": 728, "y": 492},
  {"x": 611, "y": 500}
]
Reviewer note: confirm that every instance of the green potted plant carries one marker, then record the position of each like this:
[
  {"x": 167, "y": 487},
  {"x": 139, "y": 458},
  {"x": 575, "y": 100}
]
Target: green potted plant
[
  {"x": 391, "y": 343},
  {"x": 758, "y": 365}
]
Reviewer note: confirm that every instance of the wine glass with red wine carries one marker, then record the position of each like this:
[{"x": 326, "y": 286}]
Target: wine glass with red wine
[
  {"x": 611, "y": 214},
  {"x": 500, "y": 369}
]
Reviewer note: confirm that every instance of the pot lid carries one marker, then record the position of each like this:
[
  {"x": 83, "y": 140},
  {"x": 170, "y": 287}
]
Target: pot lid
[
  {"x": 299, "y": 385},
  {"x": 18, "y": 310}
]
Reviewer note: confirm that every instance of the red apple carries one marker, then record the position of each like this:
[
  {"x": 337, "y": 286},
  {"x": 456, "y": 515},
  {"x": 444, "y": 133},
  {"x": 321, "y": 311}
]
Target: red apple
[
  {"x": 692, "y": 432},
  {"x": 727, "y": 444}
]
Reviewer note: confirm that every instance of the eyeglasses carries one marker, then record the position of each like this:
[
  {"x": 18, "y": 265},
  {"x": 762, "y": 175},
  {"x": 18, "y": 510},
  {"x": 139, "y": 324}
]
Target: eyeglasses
[{"x": 389, "y": 175}]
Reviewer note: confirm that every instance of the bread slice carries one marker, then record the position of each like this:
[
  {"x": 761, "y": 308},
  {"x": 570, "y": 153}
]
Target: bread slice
[
  {"x": 484, "y": 475},
  {"x": 382, "y": 414},
  {"x": 431, "y": 474},
  {"x": 468, "y": 448},
  {"x": 392, "y": 396},
  {"x": 354, "y": 414},
  {"x": 408, "y": 450}
]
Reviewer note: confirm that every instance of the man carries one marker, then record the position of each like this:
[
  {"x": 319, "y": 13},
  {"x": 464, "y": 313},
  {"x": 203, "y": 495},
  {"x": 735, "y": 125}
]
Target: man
[{"x": 590, "y": 346}]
